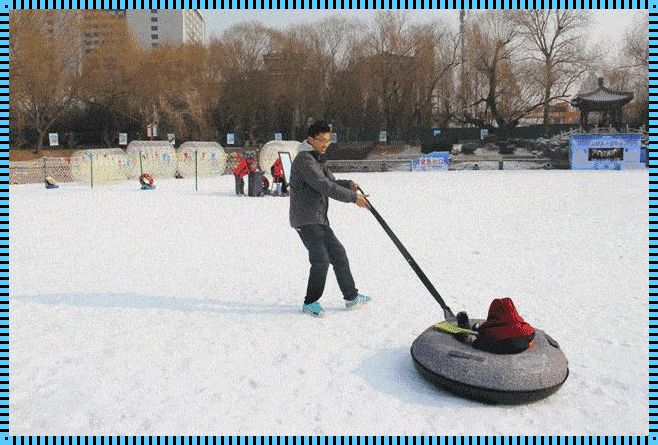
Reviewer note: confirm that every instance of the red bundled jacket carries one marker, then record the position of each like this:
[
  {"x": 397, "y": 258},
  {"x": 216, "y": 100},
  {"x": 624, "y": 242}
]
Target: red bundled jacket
[
  {"x": 277, "y": 171},
  {"x": 243, "y": 167}
]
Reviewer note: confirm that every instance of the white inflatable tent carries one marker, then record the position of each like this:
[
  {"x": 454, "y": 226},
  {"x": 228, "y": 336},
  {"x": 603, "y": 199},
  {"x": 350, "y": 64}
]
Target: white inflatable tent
[
  {"x": 210, "y": 159},
  {"x": 270, "y": 151},
  {"x": 158, "y": 158},
  {"x": 100, "y": 165}
]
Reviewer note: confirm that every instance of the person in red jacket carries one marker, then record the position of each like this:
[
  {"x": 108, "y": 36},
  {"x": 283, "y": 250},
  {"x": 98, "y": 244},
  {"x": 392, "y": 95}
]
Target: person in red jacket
[
  {"x": 278, "y": 176},
  {"x": 244, "y": 167}
]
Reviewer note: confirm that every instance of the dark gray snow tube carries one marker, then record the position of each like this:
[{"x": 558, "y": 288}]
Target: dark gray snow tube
[{"x": 460, "y": 368}]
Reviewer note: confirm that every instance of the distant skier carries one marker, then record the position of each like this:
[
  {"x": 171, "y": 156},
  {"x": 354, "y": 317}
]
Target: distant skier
[
  {"x": 147, "y": 182},
  {"x": 311, "y": 184},
  {"x": 51, "y": 183}
]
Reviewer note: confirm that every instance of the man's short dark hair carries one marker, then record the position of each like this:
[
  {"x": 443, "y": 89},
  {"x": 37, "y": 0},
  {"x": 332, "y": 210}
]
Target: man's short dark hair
[{"x": 318, "y": 127}]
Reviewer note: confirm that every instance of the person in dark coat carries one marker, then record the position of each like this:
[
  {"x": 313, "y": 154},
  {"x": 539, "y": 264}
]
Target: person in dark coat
[{"x": 311, "y": 185}]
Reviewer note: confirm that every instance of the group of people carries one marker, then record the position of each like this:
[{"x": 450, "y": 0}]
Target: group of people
[{"x": 247, "y": 166}]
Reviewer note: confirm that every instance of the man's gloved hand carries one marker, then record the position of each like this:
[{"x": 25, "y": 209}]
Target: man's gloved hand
[{"x": 361, "y": 201}]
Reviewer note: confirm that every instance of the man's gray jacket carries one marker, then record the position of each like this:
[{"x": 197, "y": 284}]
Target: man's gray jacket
[{"x": 311, "y": 184}]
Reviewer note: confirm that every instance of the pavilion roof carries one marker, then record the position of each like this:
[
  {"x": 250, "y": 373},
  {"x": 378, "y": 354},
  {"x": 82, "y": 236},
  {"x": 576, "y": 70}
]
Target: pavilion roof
[{"x": 603, "y": 96}]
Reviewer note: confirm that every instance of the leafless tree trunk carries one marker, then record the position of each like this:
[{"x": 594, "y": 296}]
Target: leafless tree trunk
[
  {"x": 557, "y": 50},
  {"x": 636, "y": 52},
  {"x": 45, "y": 53},
  {"x": 492, "y": 42}
]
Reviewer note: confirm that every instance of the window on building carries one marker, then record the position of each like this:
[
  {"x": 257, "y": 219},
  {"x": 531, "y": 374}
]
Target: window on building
[
  {"x": 154, "y": 28},
  {"x": 154, "y": 19},
  {"x": 154, "y": 45},
  {"x": 154, "y": 36}
]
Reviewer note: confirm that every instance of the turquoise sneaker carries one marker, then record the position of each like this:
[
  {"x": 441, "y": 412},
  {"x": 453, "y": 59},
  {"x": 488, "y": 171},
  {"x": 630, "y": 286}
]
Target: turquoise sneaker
[
  {"x": 358, "y": 301},
  {"x": 314, "y": 309}
]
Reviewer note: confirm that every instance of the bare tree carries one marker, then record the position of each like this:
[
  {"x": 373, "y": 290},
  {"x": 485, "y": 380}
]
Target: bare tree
[
  {"x": 556, "y": 51},
  {"x": 437, "y": 53},
  {"x": 305, "y": 64},
  {"x": 635, "y": 53},
  {"x": 188, "y": 95},
  {"x": 627, "y": 69},
  {"x": 237, "y": 65},
  {"x": 110, "y": 70},
  {"x": 491, "y": 43},
  {"x": 636, "y": 42},
  {"x": 245, "y": 44},
  {"x": 45, "y": 50},
  {"x": 389, "y": 66},
  {"x": 332, "y": 38},
  {"x": 521, "y": 61},
  {"x": 328, "y": 44}
]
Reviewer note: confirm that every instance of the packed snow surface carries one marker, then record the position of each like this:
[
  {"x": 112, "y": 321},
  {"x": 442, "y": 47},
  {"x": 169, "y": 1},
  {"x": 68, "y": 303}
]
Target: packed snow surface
[{"x": 177, "y": 311}]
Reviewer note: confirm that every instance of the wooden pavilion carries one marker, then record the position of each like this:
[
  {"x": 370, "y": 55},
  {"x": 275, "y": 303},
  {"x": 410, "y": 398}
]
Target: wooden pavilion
[{"x": 606, "y": 101}]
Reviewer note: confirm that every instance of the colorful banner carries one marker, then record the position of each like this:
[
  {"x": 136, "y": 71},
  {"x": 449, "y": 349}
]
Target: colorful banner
[
  {"x": 435, "y": 161},
  {"x": 605, "y": 151}
]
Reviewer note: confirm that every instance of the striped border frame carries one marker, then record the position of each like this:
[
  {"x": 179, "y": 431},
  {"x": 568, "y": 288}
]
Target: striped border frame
[
  {"x": 653, "y": 219},
  {"x": 4, "y": 221},
  {"x": 314, "y": 440},
  {"x": 332, "y": 4},
  {"x": 337, "y": 440}
]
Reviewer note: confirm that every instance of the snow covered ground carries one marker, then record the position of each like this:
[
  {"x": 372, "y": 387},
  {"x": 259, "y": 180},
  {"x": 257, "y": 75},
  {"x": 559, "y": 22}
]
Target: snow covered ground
[{"x": 178, "y": 312}]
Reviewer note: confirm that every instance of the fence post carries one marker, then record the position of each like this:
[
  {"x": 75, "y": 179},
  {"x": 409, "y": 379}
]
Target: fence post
[
  {"x": 45, "y": 171},
  {"x": 141, "y": 168},
  {"x": 196, "y": 169}
]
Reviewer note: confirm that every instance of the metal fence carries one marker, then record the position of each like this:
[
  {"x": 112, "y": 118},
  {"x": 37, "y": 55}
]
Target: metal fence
[
  {"x": 26, "y": 172},
  {"x": 96, "y": 166}
]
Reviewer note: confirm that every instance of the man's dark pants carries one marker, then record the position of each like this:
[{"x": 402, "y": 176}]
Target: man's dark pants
[
  {"x": 239, "y": 185},
  {"x": 325, "y": 249}
]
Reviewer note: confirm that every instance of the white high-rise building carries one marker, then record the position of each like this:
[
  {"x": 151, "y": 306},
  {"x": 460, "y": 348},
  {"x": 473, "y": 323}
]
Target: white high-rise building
[
  {"x": 95, "y": 25},
  {"x": 154, "y": 27}
]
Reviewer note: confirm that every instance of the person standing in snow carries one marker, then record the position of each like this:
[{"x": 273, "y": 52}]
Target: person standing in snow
[
  {"x": 240, "y": 171},
  {"x": 311, "y": 185},
  {"x": 277, "y": 175}
]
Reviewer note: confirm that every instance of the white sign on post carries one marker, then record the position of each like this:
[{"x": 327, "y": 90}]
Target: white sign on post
[
  {"x": 230, "y": 139},
  {"x": 53, "y": 138},
  {"x": 123, "y": 138},
  {"x": 171, "y": 137},
  {"x": 152, "y": 130},
  {"x": 382, "y": 136},
  {"x": 483, "y": 133},
  {"x": 278, "y": 136}
]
